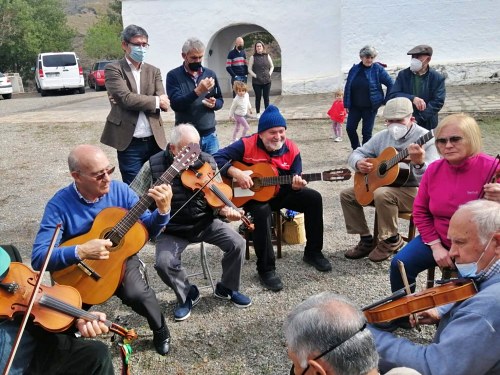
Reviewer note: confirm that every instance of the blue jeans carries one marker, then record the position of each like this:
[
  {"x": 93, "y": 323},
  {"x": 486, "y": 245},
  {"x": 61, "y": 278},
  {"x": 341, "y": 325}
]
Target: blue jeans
[
  {"x": 135, "y": 155},
  {"x": 210, "y": 143},
  {"x": 26, "y": 349},
  {"x": 353, "y": 118},
  {"x": 417, "y": 257}
]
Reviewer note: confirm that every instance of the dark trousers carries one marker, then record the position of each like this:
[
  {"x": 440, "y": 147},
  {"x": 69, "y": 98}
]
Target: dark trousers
[
  {"x": 261, "y": 91},
  {"x": 136, "y": 293},
  {"x": 138, "y": 152},
  {"x": 355, "y": 115},
  {"x": 306, "y": 200}
]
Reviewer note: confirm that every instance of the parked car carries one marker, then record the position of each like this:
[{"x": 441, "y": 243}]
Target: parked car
[
  {"x": 5, "y": 86},
  {"x": 59, "y": 71},
  {"x": 95, "y": 79}
]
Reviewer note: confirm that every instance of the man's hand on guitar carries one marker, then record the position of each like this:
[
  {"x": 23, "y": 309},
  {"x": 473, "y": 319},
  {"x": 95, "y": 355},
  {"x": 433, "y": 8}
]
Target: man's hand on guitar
[
  {"x": 94, "y": 249},
  {"x": 162, "y": 195},
  {"x": 298, "y": 182},
  {"x": 231, "y": 214},
  {"x": 364, "y": 166},
  {"x": 243, "y": 180},
  {"x": 416, "y": 153}
]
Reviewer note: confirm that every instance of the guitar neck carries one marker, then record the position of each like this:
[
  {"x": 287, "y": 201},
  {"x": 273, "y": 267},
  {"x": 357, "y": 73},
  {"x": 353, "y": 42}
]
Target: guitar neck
[
  {"x": 403, "y": 154},
  {"x": 287, "y": 179}
]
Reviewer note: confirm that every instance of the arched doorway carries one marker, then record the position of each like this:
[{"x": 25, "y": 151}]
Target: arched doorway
[{"x": 222, "y": 42}]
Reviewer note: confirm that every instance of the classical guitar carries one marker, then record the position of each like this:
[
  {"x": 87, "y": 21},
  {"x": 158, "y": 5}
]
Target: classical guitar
[
  {"x": 387, "y": 171},
  {"x": 97, "y": 280},
  {"x": 266, "y": 181}
]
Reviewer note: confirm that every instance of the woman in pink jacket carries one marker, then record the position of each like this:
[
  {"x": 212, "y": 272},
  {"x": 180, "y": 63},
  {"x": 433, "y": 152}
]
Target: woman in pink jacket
[{"x": 463, "y": 174}]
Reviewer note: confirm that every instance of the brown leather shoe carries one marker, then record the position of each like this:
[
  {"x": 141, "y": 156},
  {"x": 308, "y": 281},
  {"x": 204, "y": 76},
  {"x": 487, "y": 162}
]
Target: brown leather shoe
[
  {"x": 361, "y": 250},
  {"x": 384, "y": 250}
]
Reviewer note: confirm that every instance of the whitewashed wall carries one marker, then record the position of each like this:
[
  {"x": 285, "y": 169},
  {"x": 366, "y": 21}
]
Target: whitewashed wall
[{"x": 320, "y": 39}]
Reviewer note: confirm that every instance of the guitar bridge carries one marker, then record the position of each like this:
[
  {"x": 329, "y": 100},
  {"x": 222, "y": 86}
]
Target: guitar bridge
[{"x": 89, "y": 271}]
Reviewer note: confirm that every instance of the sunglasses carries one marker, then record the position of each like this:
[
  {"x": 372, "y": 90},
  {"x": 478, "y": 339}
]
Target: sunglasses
[
  {"x": 453, "y": 140},
  {"x": 99, "y": 176},
  {"x": 331, "y": 349}
]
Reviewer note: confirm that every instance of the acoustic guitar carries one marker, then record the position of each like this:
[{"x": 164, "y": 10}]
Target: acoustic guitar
[
  {"x": 266, "y": 181},
  {"x": 387, "y": 171},
  {"x": 97, "y": 280}
]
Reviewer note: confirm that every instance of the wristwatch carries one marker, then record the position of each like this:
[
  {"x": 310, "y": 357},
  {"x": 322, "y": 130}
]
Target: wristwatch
[{"x": 418, "y": 166}]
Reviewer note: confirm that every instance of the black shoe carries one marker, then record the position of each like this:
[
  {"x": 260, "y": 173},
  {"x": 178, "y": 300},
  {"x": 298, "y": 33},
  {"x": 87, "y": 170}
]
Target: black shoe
[
  {"x": 271, "y": 281},
  {"x": 392, "y": 325},
  {"x": 161, "y": 340},
  {"x": 318, "y": 261}
]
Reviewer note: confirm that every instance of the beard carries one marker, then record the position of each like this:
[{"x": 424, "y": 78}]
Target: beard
[{"x": 273, "y": 146}]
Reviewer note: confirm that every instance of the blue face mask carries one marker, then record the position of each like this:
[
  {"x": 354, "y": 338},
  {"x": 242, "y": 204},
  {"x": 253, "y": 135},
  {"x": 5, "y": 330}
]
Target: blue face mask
[
  {"x": 137, "y": 53},
  {"x": 470, "y": 269}
]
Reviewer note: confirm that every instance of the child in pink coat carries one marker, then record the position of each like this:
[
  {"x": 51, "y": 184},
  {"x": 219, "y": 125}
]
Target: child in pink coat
[{"x": 337, "y": 113}]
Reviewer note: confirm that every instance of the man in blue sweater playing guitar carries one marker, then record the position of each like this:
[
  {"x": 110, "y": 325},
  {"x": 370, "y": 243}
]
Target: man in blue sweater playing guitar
[
  {"x": 375, "y": 163},
  {"x": 270, "y": 145}
]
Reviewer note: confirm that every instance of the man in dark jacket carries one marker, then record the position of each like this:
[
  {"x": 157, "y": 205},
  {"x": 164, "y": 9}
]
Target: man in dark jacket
[
  {"x": 195, "y": 94},
  {"x": 236, "y": 63},
  {"x": 193, "y": 222},
  {"x": 423, "y": 86}
]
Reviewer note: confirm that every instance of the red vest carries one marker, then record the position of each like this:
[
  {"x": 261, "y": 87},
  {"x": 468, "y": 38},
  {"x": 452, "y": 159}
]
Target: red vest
[{"x": 254, "y": 154}]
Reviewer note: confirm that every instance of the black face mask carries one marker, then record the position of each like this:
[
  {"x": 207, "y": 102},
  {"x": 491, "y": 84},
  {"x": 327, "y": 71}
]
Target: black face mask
[
  {"x": 194, "y": 66},
  {"x": 239, "y": 48}
]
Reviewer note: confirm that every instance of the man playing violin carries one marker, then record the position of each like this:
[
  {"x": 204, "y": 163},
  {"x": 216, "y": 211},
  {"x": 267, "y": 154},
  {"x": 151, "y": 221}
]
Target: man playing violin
[
  {"x": 467, "y": 340},
  {"x": 271, "y": 145},
  {"x": 41, "y": 352},
  {"x": 194, "y": 221},
  {"x": 77, "y": 205},
  {"x": 402, "y": 132}
]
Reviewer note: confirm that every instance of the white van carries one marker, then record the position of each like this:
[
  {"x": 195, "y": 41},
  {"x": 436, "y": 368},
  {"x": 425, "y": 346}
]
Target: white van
[{"x": 58, "y": 71}]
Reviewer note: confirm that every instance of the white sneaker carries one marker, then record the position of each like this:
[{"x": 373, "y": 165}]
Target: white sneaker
[
  {"x": 257, "y": 116},
  {"x": 338, "y": 139}
]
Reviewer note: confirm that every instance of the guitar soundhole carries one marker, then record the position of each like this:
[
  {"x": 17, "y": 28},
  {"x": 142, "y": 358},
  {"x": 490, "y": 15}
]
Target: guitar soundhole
[
  {"x": 257, "y": 184},
  {"x": 113, "y": 237},
  {"x": 382, "y": 169}
]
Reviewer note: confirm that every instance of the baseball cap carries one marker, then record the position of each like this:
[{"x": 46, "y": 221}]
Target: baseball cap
[
  {"x": 4, "y": 262},
  {"x": 398, "y": 108}
]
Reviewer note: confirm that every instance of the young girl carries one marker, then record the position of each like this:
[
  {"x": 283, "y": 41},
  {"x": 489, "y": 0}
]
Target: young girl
[
  {"x": 239, "y": 108},
  {"x": 337, "y": 113}
]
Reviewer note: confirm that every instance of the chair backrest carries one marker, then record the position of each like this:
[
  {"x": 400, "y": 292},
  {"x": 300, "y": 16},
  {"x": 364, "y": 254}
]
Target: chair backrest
[{"x": 15, "y": 255}]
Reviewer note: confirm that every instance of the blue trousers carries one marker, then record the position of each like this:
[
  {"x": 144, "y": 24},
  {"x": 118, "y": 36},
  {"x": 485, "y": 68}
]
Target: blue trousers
[
  {"x": 210, "y": 143},
  {"x": 135, "y": 155},
  {"x": 355, "y": 115},
  {"x": 417, "y": 257}
]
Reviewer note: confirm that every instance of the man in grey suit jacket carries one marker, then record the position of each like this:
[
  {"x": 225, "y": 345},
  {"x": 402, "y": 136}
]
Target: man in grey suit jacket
[{"x": 136, "y": 93}]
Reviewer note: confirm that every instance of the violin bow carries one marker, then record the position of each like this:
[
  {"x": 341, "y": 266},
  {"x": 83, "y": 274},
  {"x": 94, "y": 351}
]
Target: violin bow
[
  {"x": 32, "y": 300},
  {"x": 402, "y": 270},
  {"x": 492, "y": 174}
]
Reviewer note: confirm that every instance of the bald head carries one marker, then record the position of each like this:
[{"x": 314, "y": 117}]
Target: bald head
[
  {"x": 239, "y": 42},
  {"x": 84, "y": 157}
]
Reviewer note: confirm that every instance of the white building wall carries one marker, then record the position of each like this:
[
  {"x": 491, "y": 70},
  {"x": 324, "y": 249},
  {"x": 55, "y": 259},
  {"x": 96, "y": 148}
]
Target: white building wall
[{"x": 320, "y": 39}]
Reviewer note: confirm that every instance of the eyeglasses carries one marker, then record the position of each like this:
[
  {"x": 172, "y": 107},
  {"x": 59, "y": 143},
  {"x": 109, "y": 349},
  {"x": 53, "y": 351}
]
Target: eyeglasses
[
  {"x": 143, "y": 45},
  {"x": 292, "y": 370},
  {"x": 100, "y": 175},
  {"x": 453, "y": 140}
]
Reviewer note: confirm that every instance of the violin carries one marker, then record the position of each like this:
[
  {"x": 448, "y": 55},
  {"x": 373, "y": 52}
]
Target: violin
[
  {"x": 453, "y": 291},
  {"x": 55, "y": 308},
  {"x": 217, "y": 194}
]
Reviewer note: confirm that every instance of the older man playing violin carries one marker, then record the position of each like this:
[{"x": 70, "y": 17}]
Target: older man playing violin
[
  {"x": 193, "y": 220},
  {"x": 467, "y": 340}
]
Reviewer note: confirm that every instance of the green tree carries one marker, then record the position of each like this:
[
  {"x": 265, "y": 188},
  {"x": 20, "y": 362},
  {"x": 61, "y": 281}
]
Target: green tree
[
  {"x": 28, "y": 28},
  {"x": 103, "y": 39}
]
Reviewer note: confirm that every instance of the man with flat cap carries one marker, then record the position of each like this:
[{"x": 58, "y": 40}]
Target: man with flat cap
[{"x": 423, "y": 85}]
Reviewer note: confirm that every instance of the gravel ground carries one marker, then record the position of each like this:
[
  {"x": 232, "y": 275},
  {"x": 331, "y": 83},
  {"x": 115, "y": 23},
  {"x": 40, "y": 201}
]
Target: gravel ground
[{"x": 218, "y": 338}]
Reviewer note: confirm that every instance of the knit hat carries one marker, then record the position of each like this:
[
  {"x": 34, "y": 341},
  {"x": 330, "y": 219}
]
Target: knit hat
[
  {"x": 271, "y": 118},
  {"x": 398, "y": 108},
  {"x": 4, "y": 262}
]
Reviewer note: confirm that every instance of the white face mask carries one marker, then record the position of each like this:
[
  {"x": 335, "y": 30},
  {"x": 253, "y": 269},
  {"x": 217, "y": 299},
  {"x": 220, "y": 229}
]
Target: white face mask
[
  {"x": 415, "y": 65},
  {"x": 397, "y": 130}
]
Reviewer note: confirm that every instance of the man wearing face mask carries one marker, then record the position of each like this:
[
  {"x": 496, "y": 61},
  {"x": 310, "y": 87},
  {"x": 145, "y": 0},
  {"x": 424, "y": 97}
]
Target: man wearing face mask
[
  {"x": 466, "y": 340},
  {"x": 136, "y": 94},
  {"x": 402, "y": 132},
  {"x": 195, "y": 94},
  {"x": 236, "y": 63},
  {"x": 423, "y": 85}
]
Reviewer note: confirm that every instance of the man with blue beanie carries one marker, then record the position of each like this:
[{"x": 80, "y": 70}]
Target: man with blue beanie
[{"x": 270, "y": 145}]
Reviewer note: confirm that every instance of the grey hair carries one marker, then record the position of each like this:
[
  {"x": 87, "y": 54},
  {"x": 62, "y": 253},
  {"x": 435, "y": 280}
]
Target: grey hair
[
  {"x": 133, "y": 30},
  {"x": 180, "y": 130},
  {"x": 193, "y": 44},
  {"x": 368, "y": 51},
  {"x": 322, "y": 321},
  {"x": 486, "y": 215}
]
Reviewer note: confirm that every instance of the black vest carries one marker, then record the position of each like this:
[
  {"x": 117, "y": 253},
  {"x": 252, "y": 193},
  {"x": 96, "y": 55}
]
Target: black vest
[{"x": 197, "y": 214}]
